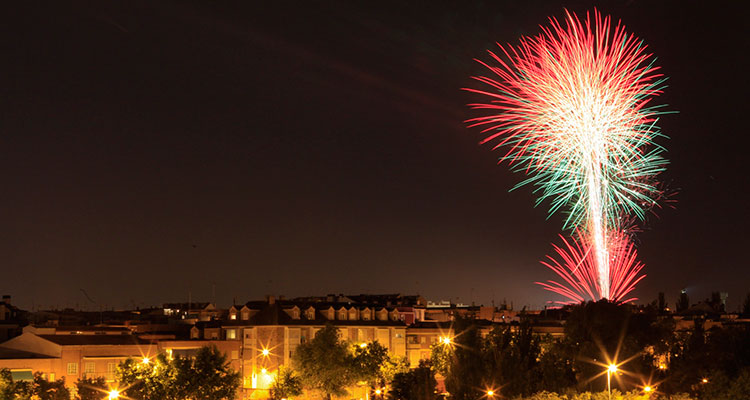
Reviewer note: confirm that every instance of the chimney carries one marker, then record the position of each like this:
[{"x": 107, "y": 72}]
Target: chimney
[
  {"x": 271, "y": 299},
  {"x": 6, "y": 299}
]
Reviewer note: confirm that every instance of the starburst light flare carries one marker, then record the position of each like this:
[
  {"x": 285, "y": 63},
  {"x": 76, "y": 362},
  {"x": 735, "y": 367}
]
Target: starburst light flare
[{"x": 572, "y": 106}]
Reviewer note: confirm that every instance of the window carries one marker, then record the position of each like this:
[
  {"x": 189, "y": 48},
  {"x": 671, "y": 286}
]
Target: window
[
  {"x": 111, "y": 368},
  {"x": 399, "y": 335},
  {"x": 235, "y": 354},
  {"x": 214, "y": 335},
  {"x": 51, "y": 376},
  {"x": 72, "y": 368},
  {"x": 412, "y": 339},
  {"x": 233, "y": 316},
  {"x": 245, "y": 315},
  {"x": 89, "y": 368},
  {"x": 231, "y": 334}
]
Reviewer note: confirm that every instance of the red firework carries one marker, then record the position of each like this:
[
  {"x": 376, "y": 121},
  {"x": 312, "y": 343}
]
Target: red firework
[{"x": 576, "y": 265}]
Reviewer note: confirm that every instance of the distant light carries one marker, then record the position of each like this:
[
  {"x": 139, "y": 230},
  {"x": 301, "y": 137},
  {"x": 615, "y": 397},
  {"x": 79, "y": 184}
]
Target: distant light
[
  {"x": 263, "y": 371},
  {"x": 378, "y": 391},
  {"x": 490, "y": 393},
  {"x": 662, "y": 366},
  {"x": 612, "y": 368},
  {"x": 446, "y": 340},
  {"x": 363, "y": 345},
  {"x": 648, "y": 389},
  {"x": 266, "y": 352},
  {"x": 114, "y": 394},
  {"x": 146, "y": 360},
  {"x": 704, "y": 380}
]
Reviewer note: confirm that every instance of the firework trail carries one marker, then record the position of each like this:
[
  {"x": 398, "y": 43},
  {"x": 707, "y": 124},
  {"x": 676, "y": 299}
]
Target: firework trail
[{"x": 572, "y": 106}]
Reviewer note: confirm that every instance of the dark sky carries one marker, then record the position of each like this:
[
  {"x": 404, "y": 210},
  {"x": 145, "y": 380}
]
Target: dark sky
[{"x": 152, "y": 149}]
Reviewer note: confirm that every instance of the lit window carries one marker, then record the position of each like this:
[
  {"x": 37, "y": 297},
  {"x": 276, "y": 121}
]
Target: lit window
[
  {"x": 89, "y": 368},
  {"x": 233, "y": 316},
  {"x": 231, "y": 334},
  {"x": 72, "y": 368}
]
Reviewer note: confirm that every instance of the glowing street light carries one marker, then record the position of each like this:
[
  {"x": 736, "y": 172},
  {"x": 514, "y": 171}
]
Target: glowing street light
[
  {"x": 611, "y": 369},
  {"x": 648, "y": 389},
  {"x": 378, "y": 392},
  {"x": 446, "y": 340},
  {"x": 114, "y": 394},
  {"x": 146, "y": 360},
  {"x": 266, "y": 352},
  {"x": 704, "y": 380},
  {"x": 491, "y": 393},
  {"x": 362, "y": 345}
]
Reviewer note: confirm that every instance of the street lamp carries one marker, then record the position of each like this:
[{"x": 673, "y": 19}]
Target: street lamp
[
  {"x": 446, "y": 340},
  {"x": 114, "y": 394},
  {"x": 491, "y": 393},
  {"x": 611, "y": 369}
]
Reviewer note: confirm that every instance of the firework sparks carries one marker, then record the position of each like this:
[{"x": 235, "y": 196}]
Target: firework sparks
[
  {"x": 573, "y": 108},
  {"x": 577, "y": 266}
]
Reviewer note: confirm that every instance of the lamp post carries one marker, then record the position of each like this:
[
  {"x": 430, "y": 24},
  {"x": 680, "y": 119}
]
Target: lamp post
[{"x": 610, "y": 370}]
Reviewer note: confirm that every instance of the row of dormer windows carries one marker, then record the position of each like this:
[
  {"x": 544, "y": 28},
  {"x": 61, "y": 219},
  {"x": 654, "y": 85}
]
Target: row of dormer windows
[{"x": 342, "y": 314}]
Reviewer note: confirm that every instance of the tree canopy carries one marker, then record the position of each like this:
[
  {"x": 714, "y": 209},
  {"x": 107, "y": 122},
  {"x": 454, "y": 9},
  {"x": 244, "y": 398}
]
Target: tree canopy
[{"x": 206, "y": 376}]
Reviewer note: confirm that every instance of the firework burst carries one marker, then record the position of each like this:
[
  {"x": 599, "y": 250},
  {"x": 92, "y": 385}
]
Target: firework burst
[{"x": 572, "y": 106}]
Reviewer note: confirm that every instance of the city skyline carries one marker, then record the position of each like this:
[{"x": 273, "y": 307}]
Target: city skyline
[{"x": 156, "y": 150}]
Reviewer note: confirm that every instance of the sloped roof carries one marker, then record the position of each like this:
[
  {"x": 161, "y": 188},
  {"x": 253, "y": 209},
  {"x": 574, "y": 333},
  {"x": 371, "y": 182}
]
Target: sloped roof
[
  {"x": 13, "y": 354},
  {"x": 94, "y": 340}
]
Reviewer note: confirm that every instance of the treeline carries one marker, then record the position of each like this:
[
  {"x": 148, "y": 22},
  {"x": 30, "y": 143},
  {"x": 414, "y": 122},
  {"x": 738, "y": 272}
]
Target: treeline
[
  {"x": 206, "y": 376},
  {"x": 650, "y": 359}
]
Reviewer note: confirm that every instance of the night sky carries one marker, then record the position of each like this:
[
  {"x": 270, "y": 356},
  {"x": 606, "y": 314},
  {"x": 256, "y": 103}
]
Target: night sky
[{"x": 155, "y": 149}]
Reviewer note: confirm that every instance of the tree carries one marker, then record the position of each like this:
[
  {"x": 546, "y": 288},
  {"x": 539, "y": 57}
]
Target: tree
[
  {"x": 369, "y": 362},
  {"x": 603, "y": 332},
  {"x": 91, "y": 388},
  {"x": 325, "y": 364},
  {"x": 393, "y": 366},
  {"x": 286, "y": 384},
  {"x": 466, "y": 372},
  {"x": 417, "y": 384},
  {"x": 10, "y": 389},
  {"x": 206, "y": 376},
  {"x": 42, "y": 389}
]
